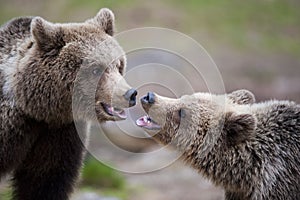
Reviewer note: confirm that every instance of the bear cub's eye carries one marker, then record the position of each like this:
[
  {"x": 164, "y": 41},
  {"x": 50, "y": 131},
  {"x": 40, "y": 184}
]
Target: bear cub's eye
[
  {"x": 120, "y": 66},
  {"x": 97, "y": 71},
  {"x": 181, "y": 113}
]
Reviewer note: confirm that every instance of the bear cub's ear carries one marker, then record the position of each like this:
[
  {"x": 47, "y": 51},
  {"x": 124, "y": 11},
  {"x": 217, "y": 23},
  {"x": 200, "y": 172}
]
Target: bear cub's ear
[
  {"x": 105, "y": 19},
  {"x": 48, "y": 36},
  {"x": 239, "y": 127},
  {"x": 242, "y": 97}
]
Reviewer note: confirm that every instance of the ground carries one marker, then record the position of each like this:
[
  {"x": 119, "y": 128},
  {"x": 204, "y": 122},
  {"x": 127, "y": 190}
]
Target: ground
[{"x": 186, "y": 183}]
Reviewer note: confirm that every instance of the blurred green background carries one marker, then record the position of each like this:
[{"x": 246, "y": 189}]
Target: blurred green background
[
  {"x": 269, "y": 24},
  {"x": 255, "y": 44}
]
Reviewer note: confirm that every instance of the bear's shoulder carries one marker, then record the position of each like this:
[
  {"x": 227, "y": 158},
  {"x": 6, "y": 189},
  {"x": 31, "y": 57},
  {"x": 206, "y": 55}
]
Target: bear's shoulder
[
  {"x": 279, "y": 116},
  {"x": 277, "y": 105}
]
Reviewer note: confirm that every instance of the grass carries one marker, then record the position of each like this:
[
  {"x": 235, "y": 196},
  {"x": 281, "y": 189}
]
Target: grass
[
  {"x": 57, "y": 10},
  {"x": 94, "y": 4},
  {"x": 258, "y": 24},
  {"x": 6, "y": 194},
  {"x": 271, "y": 24},
  {"x": 95, "y": 174},
  {"x": 96, "y": 177},
  {"x": 99, "y": 178}
]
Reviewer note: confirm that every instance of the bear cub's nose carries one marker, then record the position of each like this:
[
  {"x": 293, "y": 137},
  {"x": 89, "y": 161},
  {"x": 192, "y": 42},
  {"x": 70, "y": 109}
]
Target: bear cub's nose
[
  {"x": 148, "y": 99},
  {"x": 130, "y": 96}
]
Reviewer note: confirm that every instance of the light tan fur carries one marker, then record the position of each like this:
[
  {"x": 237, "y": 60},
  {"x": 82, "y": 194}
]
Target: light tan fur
[{"x": 250, "y": 149}]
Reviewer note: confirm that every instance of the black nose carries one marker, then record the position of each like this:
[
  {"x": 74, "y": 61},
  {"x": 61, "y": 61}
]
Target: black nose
[
  {"x": 148, "y": 99},
  {"x": 130, "y": 96}
]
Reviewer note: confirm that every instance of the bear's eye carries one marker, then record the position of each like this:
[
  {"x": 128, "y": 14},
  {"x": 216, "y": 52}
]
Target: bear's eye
[
  {"x": 120, "y": 66},
  {"x": 181, "y": 113},
  {"x": 97, "y": 71}
]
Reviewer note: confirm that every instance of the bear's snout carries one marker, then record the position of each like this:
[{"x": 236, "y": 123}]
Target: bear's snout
[
  {"x": 148, "y": 100},
  {"x": 130, "y": 96}
]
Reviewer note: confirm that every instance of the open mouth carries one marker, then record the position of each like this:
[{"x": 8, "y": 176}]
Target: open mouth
[
  {"x": 112, "y": 111},
  {"x": 147, "y": 123}
]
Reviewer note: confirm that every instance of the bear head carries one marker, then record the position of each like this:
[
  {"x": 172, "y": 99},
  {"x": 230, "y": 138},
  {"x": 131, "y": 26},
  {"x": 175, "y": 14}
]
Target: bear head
[
  {"x": 194, "y": 123},
  {"x": 70, "y": 70}
]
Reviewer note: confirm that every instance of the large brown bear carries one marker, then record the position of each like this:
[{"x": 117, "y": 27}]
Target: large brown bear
[
  {"x": 39, "y": 64},
  {"x": 250, "y": 149}
]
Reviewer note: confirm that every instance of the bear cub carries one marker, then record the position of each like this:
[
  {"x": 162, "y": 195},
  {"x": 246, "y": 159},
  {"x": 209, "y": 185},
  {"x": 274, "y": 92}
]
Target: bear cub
[{"x": 252, "y": 150}]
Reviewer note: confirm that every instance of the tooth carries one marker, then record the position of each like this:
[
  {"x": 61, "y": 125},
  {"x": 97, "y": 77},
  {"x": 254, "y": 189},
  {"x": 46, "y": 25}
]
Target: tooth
[
  {"x": 118, "y": 63},
  {"x": 148, "y": 119},
  {"x": 145, "y": 119},
  {"x": 98, "y": 102}
]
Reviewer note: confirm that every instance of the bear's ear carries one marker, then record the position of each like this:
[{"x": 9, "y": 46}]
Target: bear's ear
[
  {"x": 239, "y": 127},
  {"x": 48, "y": 36},
  {"x": 105, "y": 19},
  {"x": 242, "y": 97}
]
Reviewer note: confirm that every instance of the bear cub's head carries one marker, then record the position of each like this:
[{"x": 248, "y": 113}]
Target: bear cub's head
[
  {"x": 194, "y": 122},
  {"x": 70, "y": 70}
]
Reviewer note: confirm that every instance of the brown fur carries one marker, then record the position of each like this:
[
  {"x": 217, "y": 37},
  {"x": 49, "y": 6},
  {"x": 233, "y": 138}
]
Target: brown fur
[
  {"x": 250, "y": 149},
  {"x": 48, "y": 80}
]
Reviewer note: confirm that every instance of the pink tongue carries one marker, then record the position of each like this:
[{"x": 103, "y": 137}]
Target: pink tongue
[
  {"x": 118, "y": 113},
  {"x": 110, "y": 109},
  {"x": 142, "y": 122}
]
